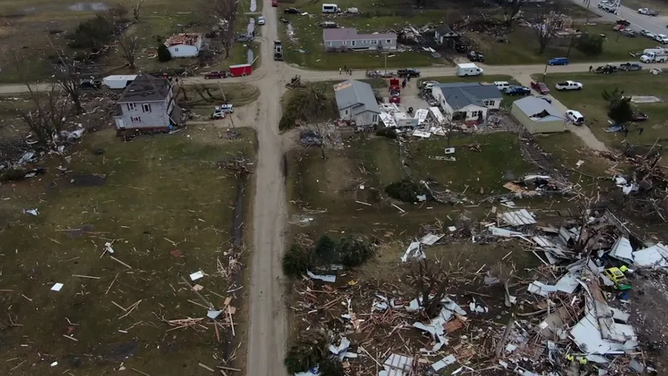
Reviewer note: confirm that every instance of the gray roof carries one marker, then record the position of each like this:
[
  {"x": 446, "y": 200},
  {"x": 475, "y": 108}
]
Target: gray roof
[
  {"x": 356, "y": 94},
  {"x": 538, "y": 109},
  {"x": 146, "y": 88},
  {"x": 444, "y": 29},
  {"x": 350, "y": 33},
  {"x": 462, "y": 94}
]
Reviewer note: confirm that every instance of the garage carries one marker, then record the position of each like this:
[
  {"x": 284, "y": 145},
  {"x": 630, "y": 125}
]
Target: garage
[{"x": 538, "y": 116}]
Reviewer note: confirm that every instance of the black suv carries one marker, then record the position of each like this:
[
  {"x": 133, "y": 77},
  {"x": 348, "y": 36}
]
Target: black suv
[
  {"x": 475, "y": 56},
  {"x": 292, "y": 11},
  {"x": 408, "y": 72}
]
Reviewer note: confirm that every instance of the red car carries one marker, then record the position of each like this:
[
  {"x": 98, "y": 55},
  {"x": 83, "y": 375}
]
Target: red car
[
  {"x": 215, "y": 74},
  {"x": 274, "y": 3},
  {"x": 540, "y": 87}
]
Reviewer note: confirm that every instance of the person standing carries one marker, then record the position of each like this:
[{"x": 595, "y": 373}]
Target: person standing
[{"x": 339, "y": 71}]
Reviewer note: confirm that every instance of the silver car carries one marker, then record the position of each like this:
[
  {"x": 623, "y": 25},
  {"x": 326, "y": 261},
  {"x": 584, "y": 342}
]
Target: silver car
[{"x": 261, "y": 20}]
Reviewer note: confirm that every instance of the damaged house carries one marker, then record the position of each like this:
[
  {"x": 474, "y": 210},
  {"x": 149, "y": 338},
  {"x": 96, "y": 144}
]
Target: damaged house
[
  {"x": 347, "y": 38},
  {"x": 147, "y": 104},
  {"x": 357, "y": 103},
  {"x": 444, "y": 34},
  {"x": 467, "y": 101},
  {"x": 184, "y": 44},
  {"x": 538, "y": 116}
]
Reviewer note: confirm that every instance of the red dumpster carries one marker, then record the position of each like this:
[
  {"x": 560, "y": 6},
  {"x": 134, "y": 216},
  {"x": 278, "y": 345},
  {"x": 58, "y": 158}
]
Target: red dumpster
[{"x": 241, "y": 70}]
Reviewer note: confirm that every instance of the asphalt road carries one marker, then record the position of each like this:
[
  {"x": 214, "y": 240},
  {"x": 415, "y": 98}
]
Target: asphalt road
[{"x": 656, "y": 25}]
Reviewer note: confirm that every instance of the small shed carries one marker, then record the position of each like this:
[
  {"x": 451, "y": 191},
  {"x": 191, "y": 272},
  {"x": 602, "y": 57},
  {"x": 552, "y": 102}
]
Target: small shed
[{"x": 538, "y": 116}]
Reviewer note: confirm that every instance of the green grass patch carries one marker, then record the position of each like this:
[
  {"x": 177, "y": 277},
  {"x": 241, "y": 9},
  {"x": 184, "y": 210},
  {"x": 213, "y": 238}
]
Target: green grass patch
[
  {"x": 485, "y": 169},
  {"x": 159, "y": 190},
  {"x": 522, "y": 47}
]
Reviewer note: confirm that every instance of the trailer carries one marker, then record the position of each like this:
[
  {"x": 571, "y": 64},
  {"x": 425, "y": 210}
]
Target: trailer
[
  {"x": 241, "y": 70},
  {"x": 118, "y": 82}
]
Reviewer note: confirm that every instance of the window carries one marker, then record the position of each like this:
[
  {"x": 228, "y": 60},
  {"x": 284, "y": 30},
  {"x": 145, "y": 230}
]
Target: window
[
  {"x": 176, "y": 50},
  {"x": 388, "y": 41},
  {"x": 374, "y": 118},
  {"x": 375, "y": 41},
  {"x": 146, "y": 107},
  {"x": 489, "y": 103},
  {"x": 353, "y": 43},
  {"x": 346, "y": 112},
  {"x": 135, "y": 119},
  {"x": 131, "y": 107},
  {"x": 329, "y": 44}
]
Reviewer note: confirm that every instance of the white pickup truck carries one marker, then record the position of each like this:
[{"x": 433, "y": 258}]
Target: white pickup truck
[
  {"x": 654, "y": 57},
  {"x": 568, "y": 85}
]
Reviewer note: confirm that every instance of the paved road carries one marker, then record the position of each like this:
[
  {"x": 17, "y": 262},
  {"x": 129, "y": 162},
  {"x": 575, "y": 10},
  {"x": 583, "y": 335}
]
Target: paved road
[
  {"x": 656, "y": 25},
  {"x": 267, "y": 333}
]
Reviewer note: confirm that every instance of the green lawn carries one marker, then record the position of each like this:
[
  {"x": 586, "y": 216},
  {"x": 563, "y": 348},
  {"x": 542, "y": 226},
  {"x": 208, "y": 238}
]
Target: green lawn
[
  {"x": 485, "y": 169},
  {"x": 523, "y": 47},
  {"x": 592, "y": 105},
  {"x": 162, "y": 193}
]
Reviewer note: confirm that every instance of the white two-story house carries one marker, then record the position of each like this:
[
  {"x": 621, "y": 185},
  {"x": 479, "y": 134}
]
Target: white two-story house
[{"x": 147, "y": 104}]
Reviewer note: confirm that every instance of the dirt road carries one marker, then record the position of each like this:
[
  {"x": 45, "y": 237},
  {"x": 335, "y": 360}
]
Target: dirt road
[{"x": 267, "y": 332}]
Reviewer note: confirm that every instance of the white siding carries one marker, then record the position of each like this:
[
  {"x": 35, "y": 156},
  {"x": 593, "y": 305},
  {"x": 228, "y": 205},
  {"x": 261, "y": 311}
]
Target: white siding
[
  {"x": 364, "y": 118},
  {"x": 183, "y": 50},
  {"x": 472, "y": 112},
  {"x": 144, "y": 115}
]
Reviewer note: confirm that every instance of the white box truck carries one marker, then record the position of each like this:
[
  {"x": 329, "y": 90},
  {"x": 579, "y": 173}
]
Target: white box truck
[
  {"x": 117, "y": 82},
  {"x": 468, "y": 69},
  {"x": 654, "y": 57},
  {"x": 330, "y": 8}
]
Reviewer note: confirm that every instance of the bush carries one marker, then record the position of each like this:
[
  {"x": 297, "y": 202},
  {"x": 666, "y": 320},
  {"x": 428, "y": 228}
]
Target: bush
[
  {"x": 325, "y": 249},
  {"x": 163, "y": 53},
  {"x": 92, "y": 33},
  {"x": 306, "y": 353},
  {"x": 353, "y": 252},
  {"x": 331, "y": 367},
  {"x": 296, "y": 261},
  {"x": 404, "y": 190},
  {"x": 387, "y": 132},
  {"x": 589, "y": 44}
]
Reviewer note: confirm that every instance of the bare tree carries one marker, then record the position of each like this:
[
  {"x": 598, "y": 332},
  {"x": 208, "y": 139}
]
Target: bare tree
[
  {"x": 129, "y": 47},
  {"x": 47, "y": 115},
  {"x": 68, "y": 77},
  {"x": 512, "y": 10},
  {"x": 546, "y": 24},
  {"x": 136, "y": 8},
  {"x": 431, "y": 283},
  {"x": 222, "y": 15}
]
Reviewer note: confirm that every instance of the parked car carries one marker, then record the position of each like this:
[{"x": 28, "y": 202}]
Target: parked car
[
  {"x": 606, "y": 69},
  {"x": 517, "y": 90},
  {"x": 575, "y": 117},
  {"x": 501, "y": 85},
  {"x": 639, "y": 116},
  {"x": 647, "y": 33},
  {"x": 629, "y": 67},
  {"x": 292, "y": 11},
  {"x": 216, "y": 74},
  {"x": 648, "y": 12},
  {"x": 540, "y": 87},
  {"x": 261, "y": 20},
  {"x": 408, "y": 72},
  {"x": 475, "y": 56},
  {"x": 90, "y": 83},
  {"x": 619, "y": 27},
  {"x": 274, "y": 3},
  {"x": 623, "y": 22},
  {"x": 629, "y": 33},
  {"x": 558, "y": 61},
  {"x": 661, "y": 38},
  {"x": 226, "y": 108},
  {"x": 568, "y": 85}
]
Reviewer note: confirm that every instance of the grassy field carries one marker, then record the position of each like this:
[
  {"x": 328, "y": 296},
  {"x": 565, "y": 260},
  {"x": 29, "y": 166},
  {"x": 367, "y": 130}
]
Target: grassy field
[
  {"x": 28, "y": 24},
  {"x": 308, "y": 51},
  {"x": 523, "y": 47},
  {"x": 202, "y": 99},
  {"x": 168, "y": 210},
  {"x": 592, "y": 105}
]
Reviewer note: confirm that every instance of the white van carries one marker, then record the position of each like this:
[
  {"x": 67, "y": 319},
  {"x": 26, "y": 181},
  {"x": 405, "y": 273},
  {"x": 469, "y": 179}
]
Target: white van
[
  {"x": 501, "y": 85},
  {"x": 575, "y": 117},
  {"x": 330, "y": 8},
  {"x": 468, "y": 69}
]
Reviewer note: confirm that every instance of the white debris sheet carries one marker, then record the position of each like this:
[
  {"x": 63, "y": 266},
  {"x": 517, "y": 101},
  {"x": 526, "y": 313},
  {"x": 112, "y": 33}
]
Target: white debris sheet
[
  {"x": 622, "y": 250},
  {"x": 450, "y": 359},
  {"x": 421, "y": 115},
  {"x": 518, "y": 218},
  {"x": 414, "y": 251},
  {"x": 397, "y": 365},
  {"x": 436, "y": 113},
  {"x": 505, "y": 233},
  {"x": 655, "y": 256},
  {"x": 430, "y": 239},
  {"x": 324, "y": 278}
]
